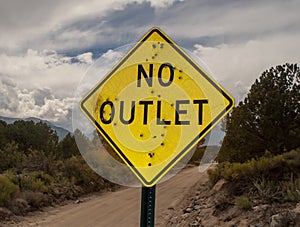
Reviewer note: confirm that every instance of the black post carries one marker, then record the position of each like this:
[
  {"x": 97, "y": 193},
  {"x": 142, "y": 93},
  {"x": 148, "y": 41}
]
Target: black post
[{"x": 148, "y": 206}]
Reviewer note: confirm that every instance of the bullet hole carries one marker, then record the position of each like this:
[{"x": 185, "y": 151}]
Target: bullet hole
[
  {"x": 155, "y": 55},
  {"x": 162, "y": 135},
  {"x": 154, "y": 46},
  {"x": 151, "y": 155},
  {"x": 107, "y": 99},
  {"x": 161, "y": 45},
  {"x": 158, "y": 96},
  {"x": 146, "y": 59},
  {"x": 116, "y": 99},
  {"x": 158, "y": 43},
  {"x": 149, "y": 164},
  {"x": 115, "y": 124},
  {"x": 172, "y": 104},
  {"x": 174, "y": 67},
  {"x": 152, "y": 92},
  {"x": 180, "y": 78},
  {"x": 165, "y": 126},
  {"x": 162, "y": 144},
  {"x": 154, "y": 137},
  {"x": 141, "y": 135},
  {"x": 180, "y": 70}
]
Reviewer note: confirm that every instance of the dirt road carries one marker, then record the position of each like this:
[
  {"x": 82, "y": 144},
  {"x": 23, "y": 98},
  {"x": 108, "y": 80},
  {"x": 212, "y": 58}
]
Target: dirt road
[{"x": 121, "y": 208}]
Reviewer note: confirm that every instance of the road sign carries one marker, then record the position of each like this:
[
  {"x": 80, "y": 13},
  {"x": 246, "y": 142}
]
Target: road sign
[{"x": 155, "y": 105}]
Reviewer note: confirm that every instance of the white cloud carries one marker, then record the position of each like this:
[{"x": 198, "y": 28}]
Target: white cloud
[
  {"x": 41, "y": 84},
  {"x": 236, "y": 39},
  {"x": 86, "y": 58},
  {"x": 45, "y": 69},
  {"x": 111, "y": 55},
  {"x": 232, "y": 20},
  {"x": 34, "y": 22},
  {"x": 16, "y": 102},
  {"x": 161, "y": 3},
  {"x": 79, "y": 25},
  {"x": 236, "y": 66},
  {"x": 25, "y": 20}
]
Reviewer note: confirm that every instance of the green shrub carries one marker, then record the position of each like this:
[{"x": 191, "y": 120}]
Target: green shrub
[
  {"x": 268, "y": 190},
  {"x": 274, "y": 178},
  {"x": 216, "y": 174},
  {"x": 243, "y": 202},
  {"x": 7, "y": 190},
  {"x": 292, "y": 190},
  {"x": 270, "y": 167},
  {"x": 38, "y": 161},
  {"x": 80, "y": 174},
  {"x": 35, "y": 199},
  {"x": 11, "y": 158},
  {"x": 34, "y": 181}
]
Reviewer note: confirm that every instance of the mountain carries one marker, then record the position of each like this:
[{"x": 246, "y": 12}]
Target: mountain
[{"x": 61, "y": 132}]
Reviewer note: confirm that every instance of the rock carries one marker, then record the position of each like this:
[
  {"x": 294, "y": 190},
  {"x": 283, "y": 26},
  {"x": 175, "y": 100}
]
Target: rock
[
  {"x": 297, "y": 213},
  {"x": 197, "y": 207},
  {"x": 188, "y": 210},
  {"x": 287, "y": 218},
  {"x": 184, "y": 216},
  {"x": 218, "y": 186},
  {"x": 195, "y": 224},
  {"x": 297, "y": 208},
  {"x": 221, "y": 206},
  {"x": 77, "y": 201},
  {"x": 261, "y": 208},
  {"x": 56, "y": 191},
  {"x": 276, "y": 220},
  {"x": 174, "y": 219},
  {"x": 5, "y": 213},
  {"x": 167, "y": 216}
]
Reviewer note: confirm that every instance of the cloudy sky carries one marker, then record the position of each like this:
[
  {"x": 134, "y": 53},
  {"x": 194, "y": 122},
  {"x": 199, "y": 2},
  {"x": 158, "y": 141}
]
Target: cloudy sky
[{"x": 47, "y": 46}]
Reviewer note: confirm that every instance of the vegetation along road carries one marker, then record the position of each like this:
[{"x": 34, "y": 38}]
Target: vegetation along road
[{"x": 120, "y": 208}]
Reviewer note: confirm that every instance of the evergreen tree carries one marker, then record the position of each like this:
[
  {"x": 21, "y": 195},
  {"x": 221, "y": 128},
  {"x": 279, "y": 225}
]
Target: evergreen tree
[
  {"x": 268, "y": 119},
  {"x": 3, "y": 137},
  {"x": 30, "y": 135},
  {"x": 67, "y": 148}
]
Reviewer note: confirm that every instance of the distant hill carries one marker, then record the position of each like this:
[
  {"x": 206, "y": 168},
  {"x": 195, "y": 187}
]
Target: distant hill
[{"x": 61, "y": 132}]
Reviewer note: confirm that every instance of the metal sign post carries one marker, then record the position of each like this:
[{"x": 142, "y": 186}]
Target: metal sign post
[{"x": 148, "y": 206}]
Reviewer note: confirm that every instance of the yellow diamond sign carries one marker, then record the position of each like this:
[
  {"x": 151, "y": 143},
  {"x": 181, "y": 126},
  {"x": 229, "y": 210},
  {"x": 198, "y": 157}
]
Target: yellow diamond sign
[{"x": 155, "y": 105}]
